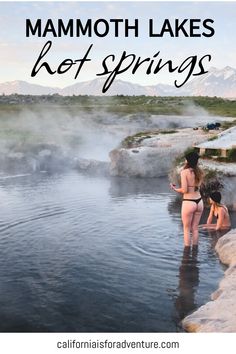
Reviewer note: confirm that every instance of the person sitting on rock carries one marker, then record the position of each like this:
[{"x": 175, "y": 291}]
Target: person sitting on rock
[{"x": 218, "y": 211}]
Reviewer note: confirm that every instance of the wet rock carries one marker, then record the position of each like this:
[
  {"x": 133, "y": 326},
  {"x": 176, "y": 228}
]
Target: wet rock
[
  {"x": 33, "y": 158},
  {"x": 226, "y": 248},
  {"x": 18, "y": 162},
  {"x": 48, "y": 157},
  {"x": 141, "y": 162},
  {"x": 91, "y": 166}
]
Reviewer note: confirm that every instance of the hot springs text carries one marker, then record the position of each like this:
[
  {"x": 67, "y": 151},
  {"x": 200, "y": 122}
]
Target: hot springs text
[{"x": 115, "y": 64}]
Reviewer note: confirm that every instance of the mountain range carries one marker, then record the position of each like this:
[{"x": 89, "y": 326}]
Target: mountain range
[{"x": 217, "y": 82}]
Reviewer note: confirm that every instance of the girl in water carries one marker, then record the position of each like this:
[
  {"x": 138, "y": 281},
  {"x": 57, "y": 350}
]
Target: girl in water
[
  {"x": 219, "y": 211},
  {"x": 192, "y": 204}
]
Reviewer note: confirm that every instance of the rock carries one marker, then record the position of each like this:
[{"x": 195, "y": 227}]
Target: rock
[
  {"x": 35, "y": 157},
  {"x": 226, "y": 248},
  {"x": 141, "y": 162},
  {"x": 228, "y": 197},
  {"x": 45, "y": 153},
  {"x": 48, "y": 157},
  {"x": 18, "y": 162},
  {"x": 150, "y": 155},
  {"x": 219, "y": 315},
  {"x": 91, "y": 166}
]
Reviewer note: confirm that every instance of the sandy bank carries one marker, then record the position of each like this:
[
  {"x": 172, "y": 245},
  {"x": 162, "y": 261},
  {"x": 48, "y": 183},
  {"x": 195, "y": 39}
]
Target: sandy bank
[{"x": 219, "y": 315}]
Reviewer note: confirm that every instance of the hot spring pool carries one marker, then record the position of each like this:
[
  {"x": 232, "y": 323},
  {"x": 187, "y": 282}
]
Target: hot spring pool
[{"x": 94, "y": 254}]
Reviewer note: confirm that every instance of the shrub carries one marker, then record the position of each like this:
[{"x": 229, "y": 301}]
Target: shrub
[
  {"x": 168, "y": 131},
  {"x": 212, "y": 182},
  {"x": 231, "y": 155}
]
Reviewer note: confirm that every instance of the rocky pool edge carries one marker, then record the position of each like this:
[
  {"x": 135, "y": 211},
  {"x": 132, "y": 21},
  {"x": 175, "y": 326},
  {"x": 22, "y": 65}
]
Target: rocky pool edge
[{"x": 219, "y": 314}]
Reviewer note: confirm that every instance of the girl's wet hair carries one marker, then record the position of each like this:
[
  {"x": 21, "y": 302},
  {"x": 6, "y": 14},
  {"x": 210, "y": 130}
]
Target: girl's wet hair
[
  {"x": 192, "y": 162},
  {"x": 216, "y": 196},
  {"x": 192, "y": 159}
]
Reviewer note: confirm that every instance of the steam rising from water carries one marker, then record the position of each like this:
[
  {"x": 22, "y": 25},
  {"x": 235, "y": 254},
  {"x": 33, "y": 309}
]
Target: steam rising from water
[{"x": 69, "y": 134}]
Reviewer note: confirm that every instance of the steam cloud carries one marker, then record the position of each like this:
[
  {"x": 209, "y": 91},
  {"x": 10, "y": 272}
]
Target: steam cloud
[{"x": 64, "y": 134}]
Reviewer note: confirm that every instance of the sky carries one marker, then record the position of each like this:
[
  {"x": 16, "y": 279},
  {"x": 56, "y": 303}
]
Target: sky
[{"x": 18, "y": 54}]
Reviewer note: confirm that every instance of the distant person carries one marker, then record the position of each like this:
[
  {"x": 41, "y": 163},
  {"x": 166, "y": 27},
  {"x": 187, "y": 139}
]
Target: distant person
[
  {"x": 192, "y": 204},
  {"x": 218, "y": 211}
]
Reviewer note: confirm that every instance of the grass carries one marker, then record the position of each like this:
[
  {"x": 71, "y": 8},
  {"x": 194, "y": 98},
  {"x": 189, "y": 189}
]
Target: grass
[
  {"x": 168, "y": 131},
  {"x": 136, "y": 139},
  {"x": 217, "y": 105},
  {"x": 121, "y": 104},
  {"x": 214, "y": 137},
  {"x": 227, "y": 125}
]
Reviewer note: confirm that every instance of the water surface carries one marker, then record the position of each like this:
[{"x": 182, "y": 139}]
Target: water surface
[{"x": 93, "y": 254}]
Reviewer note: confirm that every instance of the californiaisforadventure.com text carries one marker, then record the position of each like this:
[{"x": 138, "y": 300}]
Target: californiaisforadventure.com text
[{"x": 124, "y": 344}]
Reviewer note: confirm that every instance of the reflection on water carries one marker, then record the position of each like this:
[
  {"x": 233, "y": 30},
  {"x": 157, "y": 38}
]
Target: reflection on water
[
  {"x": 188, "y": 282},
  {"x": 121, "y": 187},
  {"x": 92, "y": 254}
]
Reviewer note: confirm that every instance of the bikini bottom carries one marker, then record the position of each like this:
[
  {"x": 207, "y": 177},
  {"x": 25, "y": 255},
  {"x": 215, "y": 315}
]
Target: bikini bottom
[{"x": 193, "y": 200}]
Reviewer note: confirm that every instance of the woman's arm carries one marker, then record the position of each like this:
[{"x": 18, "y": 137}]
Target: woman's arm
[{"x": 184, "y": 185}]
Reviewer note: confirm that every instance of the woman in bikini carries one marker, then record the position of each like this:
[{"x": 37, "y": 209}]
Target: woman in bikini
[
  {"x": 219, "y": 211},
  {"x": 192, "y": 204}
]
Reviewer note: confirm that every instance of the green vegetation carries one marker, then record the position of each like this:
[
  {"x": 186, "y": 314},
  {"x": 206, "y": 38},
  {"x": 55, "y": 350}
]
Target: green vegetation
[
  {"x": 168, "y": 131},
  {"x": 136, "y": 139},
  {"x": 216, "y": 153},
  {"x": 216, "y": 105},
  {"x": 210, "y": 174},
  {"x": 231, "y": 155},
  {"x": 211, "y": 152},
  {"x": 121, "y": 104},
  {"x": 212, "y": 182},
  {"x": 227, "y": 125},
  {"x": 214, "y": 137}
]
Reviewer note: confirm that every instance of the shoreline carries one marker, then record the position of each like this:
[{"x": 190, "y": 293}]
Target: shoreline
[{"x": 219, "y": 314}]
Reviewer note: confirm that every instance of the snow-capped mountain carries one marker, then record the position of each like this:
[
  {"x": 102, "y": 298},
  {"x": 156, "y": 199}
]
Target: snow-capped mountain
[
  {"x": 221, "y": 83},
  {"x": 25, "y": 88},
  {"x": 217, "y": 82},
  {"x": 94, "y": 87}
]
